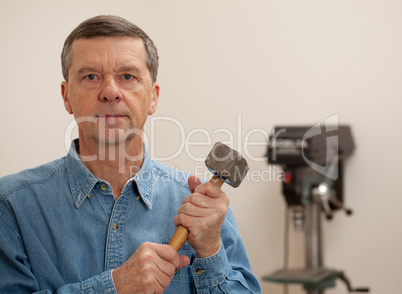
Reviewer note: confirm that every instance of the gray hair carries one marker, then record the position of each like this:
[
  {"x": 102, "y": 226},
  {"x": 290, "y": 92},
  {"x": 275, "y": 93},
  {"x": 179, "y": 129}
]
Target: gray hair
[{"x": 109, "y": 26}]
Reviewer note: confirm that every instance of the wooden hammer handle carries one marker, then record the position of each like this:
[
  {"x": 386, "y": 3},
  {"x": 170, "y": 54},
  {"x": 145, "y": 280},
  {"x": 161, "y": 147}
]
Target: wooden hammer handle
[
  {"x": 217, "y": 181},
  {"x": 180, "y": 236}
]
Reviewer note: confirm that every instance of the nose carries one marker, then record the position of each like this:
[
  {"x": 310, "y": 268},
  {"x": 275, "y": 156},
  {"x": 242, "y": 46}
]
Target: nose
[{"x": 110, "y": 92}]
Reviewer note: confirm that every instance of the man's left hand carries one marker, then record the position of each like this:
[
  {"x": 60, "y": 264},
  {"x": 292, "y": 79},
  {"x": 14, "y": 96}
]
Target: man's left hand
[{"x": 203, "y": 213}]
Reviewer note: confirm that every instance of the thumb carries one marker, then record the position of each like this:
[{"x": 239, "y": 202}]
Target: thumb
[
  {"x": 193, "y": 182},
  {"x": 184, "y": 261}
]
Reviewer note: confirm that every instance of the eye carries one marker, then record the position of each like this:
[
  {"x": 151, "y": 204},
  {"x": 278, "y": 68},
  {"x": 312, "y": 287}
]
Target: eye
[
  {"x": 90, "y": 77},
  {"x": 127, "y": 77}
]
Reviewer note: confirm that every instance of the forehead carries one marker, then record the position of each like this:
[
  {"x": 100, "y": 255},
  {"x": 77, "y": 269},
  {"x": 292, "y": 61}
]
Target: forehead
[{"x": 108, "y": 50}]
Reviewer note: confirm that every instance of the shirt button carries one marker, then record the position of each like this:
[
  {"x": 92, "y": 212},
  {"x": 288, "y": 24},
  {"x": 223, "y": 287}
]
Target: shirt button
[
  {"x": 199, "y": 271},
  {"x": 115, "y": 227},
  {"x": 103, "y": 187},
  {"x": 137, "y": 197},
  {"x": 90, "y": 196}
]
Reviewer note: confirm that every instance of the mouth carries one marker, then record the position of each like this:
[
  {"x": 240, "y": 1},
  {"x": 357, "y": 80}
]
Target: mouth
[
  {"x": 111, "y": 118},
  {"x": 110, "y": 115}
]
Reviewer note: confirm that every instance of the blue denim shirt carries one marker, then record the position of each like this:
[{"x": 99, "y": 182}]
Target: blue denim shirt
[{"x": 62, "y": 231}]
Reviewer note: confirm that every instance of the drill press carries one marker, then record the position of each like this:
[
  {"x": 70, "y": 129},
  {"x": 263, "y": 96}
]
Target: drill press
[{"x": 312, "y": 161}]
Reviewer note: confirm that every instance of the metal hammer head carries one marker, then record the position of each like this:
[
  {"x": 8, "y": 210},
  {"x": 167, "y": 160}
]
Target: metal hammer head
[{"x": 227, "y": 164}]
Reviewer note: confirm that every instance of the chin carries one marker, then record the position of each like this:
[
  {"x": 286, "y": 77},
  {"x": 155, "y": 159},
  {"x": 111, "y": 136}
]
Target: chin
[{"x": 116, "y": 136}]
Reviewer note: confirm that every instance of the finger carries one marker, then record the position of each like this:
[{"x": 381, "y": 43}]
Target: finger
[
  {"x": 165, "y": 272},
  {"x": 186, "y": 220},
  {"x": 167, "y": 264},
  {"x": 199, "y": 200},
  {"x": 197, "y": 225},
  {"x": 156, "y": 265},
  {"x": 164, "y": 280},
  {"x": 194, "y": 210},
  {"x": 209, "y": 189},
  {"x": 193, "y": 182},
  {"x": 167, "y": 253}
]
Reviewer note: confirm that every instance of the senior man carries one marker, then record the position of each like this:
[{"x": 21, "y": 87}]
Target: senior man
[{"x": 99, "y": 219}]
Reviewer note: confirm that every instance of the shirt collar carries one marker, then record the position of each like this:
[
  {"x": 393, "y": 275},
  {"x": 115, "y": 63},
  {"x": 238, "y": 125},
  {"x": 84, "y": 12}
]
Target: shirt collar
[
  {"x": 82, "y": 181},
  {"x": 80, "y": 178},
  {"x": 145, "y": 178}
]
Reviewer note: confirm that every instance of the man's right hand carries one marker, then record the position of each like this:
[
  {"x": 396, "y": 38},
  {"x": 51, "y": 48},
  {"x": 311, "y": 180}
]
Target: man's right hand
[{"x": 149, "y": 270}]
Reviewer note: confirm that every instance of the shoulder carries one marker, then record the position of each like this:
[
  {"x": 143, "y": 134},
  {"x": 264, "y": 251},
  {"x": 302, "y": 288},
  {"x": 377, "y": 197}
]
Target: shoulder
[{"x": 26, "y": 178}]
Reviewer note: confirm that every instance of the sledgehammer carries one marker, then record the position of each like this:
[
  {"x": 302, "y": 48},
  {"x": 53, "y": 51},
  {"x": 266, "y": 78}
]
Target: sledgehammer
[{"x": 226, "y": 165}]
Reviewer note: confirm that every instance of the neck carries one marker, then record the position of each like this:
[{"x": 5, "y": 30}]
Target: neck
[{"x": 115, "y": 162}]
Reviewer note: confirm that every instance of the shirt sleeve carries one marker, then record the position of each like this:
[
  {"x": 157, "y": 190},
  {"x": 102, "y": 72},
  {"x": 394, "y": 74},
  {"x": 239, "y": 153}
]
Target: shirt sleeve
[
  {"x": 17, "y": 277},
  {"x": 228, "y": 270}
]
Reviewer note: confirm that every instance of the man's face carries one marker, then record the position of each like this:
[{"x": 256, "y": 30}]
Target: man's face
[{"x": 110, "y": 91}]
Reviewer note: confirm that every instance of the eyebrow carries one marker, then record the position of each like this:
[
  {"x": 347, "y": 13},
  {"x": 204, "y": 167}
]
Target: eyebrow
[
  {"x": 83, "y": 70},
  {"x": 129, "y": 68},
  {"x": 125, "y": 68}
]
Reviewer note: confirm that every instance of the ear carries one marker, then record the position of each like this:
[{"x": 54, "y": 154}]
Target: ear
[
  {"x": 64, "y": 94},
  {"x": 154, "y": 98}
]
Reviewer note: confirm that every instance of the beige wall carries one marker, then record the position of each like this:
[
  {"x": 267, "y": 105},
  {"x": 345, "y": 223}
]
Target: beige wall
[{"x": 240, "y": 66}]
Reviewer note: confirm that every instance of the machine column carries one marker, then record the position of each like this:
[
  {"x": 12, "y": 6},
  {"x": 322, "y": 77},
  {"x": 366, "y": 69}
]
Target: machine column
[{"x": 313, "y": 236}]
